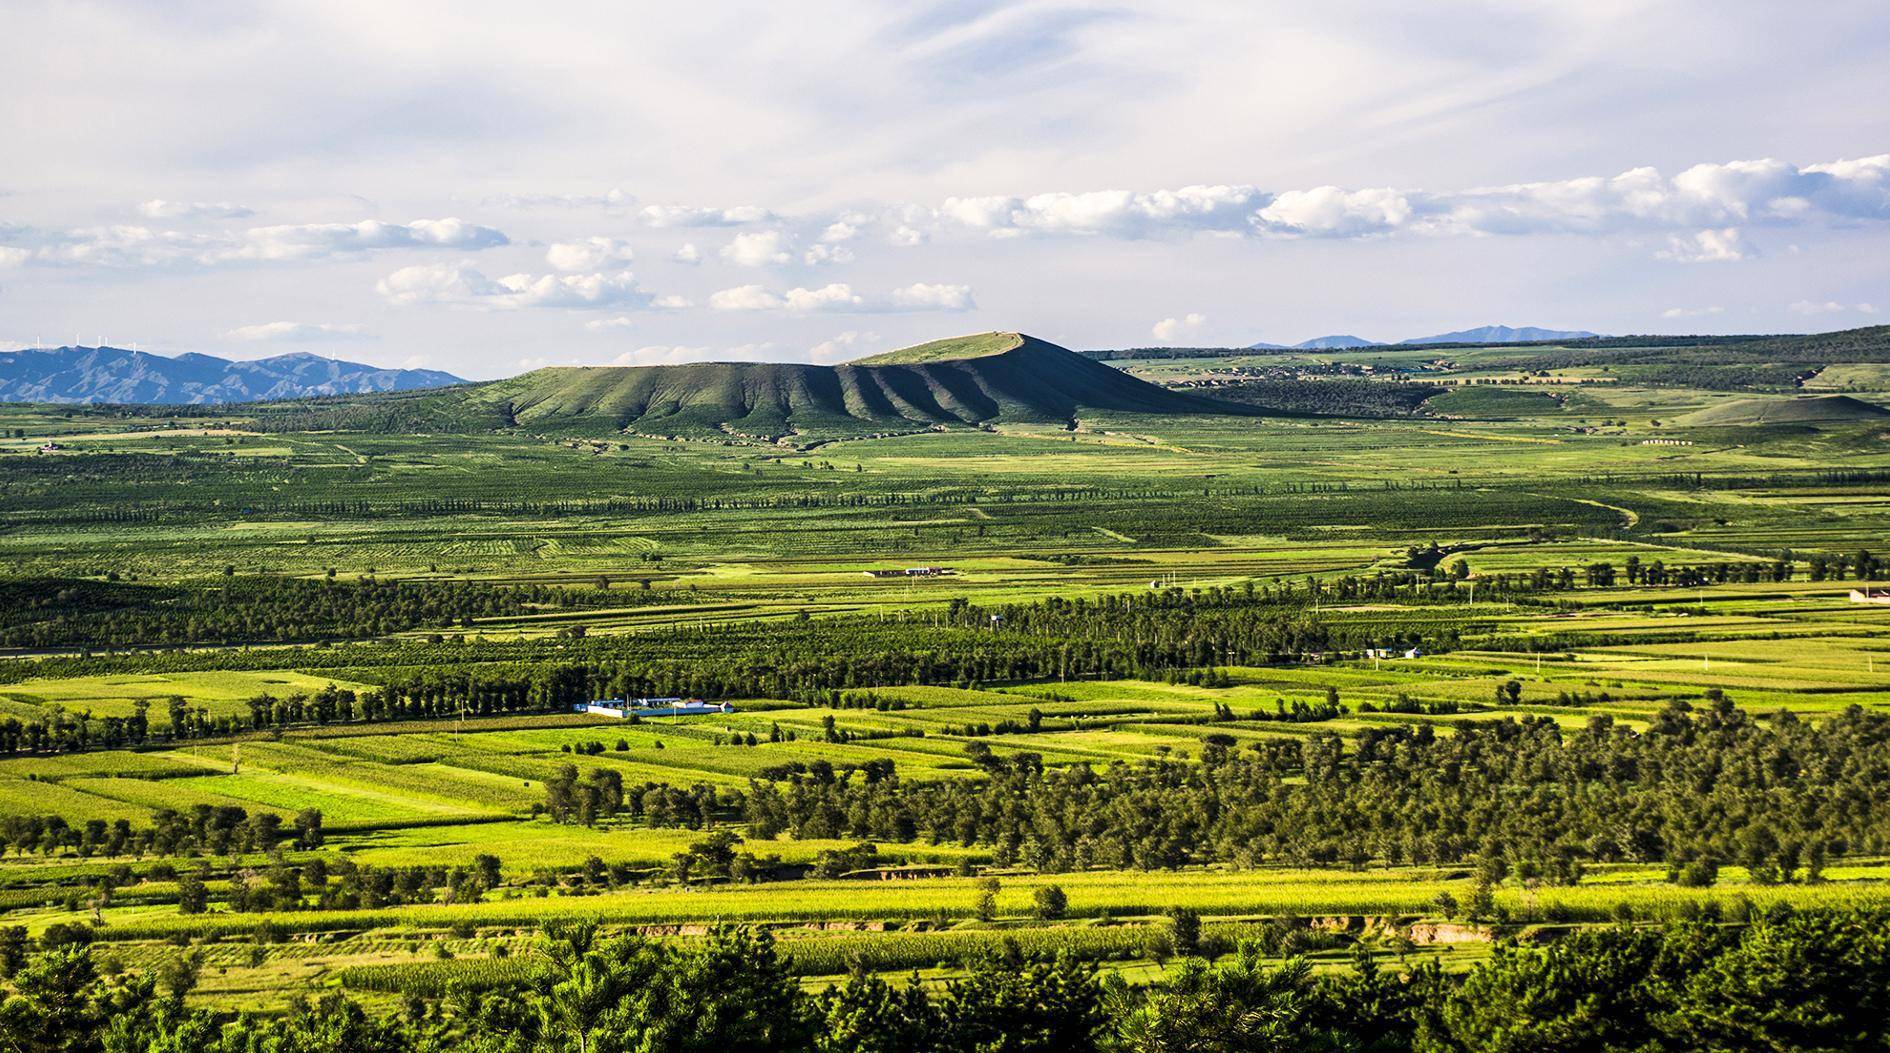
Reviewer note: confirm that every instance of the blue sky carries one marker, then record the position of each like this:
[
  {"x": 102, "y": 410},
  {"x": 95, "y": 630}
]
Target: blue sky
[{"x": 483, "y": 188}]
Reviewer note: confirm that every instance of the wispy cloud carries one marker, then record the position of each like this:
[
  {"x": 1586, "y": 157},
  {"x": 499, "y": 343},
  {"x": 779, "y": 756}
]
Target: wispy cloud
[
  {"x": 299, "y": 332},
  {"x": 839, "y": 298},
  {"x": 1817, "y": 307},
  {"x": 693, "y": 216},
  {"x": 136, "y": 246},
  {"x": 158, "y": 208}
]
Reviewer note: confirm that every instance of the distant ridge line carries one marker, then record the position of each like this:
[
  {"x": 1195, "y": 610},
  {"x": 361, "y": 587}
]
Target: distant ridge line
[{"x": 72, "y": 375}]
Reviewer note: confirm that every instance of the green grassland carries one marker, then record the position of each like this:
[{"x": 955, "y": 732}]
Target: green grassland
[{"x": 758, "y": 516}]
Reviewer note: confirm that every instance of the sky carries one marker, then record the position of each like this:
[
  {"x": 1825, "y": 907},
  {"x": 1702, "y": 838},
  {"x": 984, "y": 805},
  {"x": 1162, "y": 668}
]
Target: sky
[{"x": 485, "y": 189}]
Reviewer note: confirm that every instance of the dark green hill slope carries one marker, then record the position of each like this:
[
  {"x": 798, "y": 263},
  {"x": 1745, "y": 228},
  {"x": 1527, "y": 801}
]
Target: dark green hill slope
[
  {"x": 1824, "y": 409},
  {"x": 983, "y": 379}
]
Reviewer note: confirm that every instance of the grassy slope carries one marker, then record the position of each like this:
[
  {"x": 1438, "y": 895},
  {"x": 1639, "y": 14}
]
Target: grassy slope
[
  {"x": 1813, "y": 410},
  {"x": 979, "y": 345},
  {"x": 989, "y": 378}
]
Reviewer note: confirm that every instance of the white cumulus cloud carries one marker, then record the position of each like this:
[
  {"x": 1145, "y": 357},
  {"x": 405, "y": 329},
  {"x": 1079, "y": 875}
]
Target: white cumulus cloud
[
  {"x": 842, "y": 346},
  {"x": 1725, "y": 245},
  {"x": 929, "y": 296},
  {"x": 758, "y": 248},
  {"x": 590, "y": 254},
  {"x": 686, "y": 216},
  {"x": 839, "y": 231},
  {"x": 318, "y": 240},
  {"x": 1709, "y": 197},
  {"x": 838, "y": 297},
  {"x": 1119, "y": 213},
  {"x": 745, "y": 298},
  {"x": 1329, "y": 212},
  {"x": 835, "y": 296},
  {"x": 1169, "y": 330},
  {"x": 457, "y": 284},
  {"x": 823, "y": 253}
]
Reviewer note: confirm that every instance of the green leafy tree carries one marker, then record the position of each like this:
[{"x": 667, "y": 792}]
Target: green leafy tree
[
  {"x": 868, "y": 1015},
  {"x": 1006, "y": 1006},
  {"x": 1806, "y": 982},
  {"x": 1241, "y": 1006},
  {"x": 1593, "y": 990},
  {"x": 728, "y": 993}
]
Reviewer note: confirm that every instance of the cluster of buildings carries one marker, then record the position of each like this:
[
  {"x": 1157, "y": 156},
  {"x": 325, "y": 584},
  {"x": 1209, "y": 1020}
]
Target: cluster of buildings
[
  {"x": 909, "y": 572},
  {"x": 621, "y": 709}
]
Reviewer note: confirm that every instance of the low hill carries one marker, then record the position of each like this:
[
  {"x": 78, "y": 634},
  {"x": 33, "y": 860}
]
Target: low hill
[
  {"x": 115, "y": 375},
  {"x": 1335, "y": 342},
  {"x": 1817, "y": 409},
  {"x": 983, "y": 379},
  {"x": 1502, "y": 334}
]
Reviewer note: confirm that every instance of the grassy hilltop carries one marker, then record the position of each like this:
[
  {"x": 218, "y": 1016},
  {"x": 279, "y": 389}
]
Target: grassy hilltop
[
  {"x": 1815, "y": 409},
  {"x": 985, "y": 379},
  {"x": 954, "y": 348}
]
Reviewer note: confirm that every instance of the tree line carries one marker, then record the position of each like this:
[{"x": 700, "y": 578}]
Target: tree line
[
  {"x": 67, "y": 612},
  {"x": 1701, "y": 788},
  {"x": 1791, "y": 981},
  {"x": 211, "y": 829}
]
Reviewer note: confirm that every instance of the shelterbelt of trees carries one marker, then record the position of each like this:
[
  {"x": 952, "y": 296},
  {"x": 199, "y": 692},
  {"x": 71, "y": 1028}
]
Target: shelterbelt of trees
[
  {"x": 1144, "y": 634},
  {"x": 50, "y": 613},
  {"x": 1786, "y": 982},
  {"x": 217, "y": 829},
  {"x": 1698, "y": 789},
  {"x": 55, "y": 612}
]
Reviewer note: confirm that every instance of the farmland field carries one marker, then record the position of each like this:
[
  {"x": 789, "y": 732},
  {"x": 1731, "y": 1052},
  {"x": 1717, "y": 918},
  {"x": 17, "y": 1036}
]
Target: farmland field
[{"x": 299, "y": 703}]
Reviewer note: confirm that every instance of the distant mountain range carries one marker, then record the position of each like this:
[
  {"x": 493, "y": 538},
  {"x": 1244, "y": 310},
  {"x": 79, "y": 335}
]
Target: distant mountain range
[
  {"x": 1502, "y": 334},
  {"x": 113, "y": 374},
  {"x": 1487, "y": 334}
]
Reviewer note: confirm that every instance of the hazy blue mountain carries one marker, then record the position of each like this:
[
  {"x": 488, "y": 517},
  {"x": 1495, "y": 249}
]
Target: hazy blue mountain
[
  {"x": 1337, "y": 341},
  {"x": 113, "y": 374},
  {"x": 1500, "y": 334},
  {"x": 1264, "y": 346}
]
